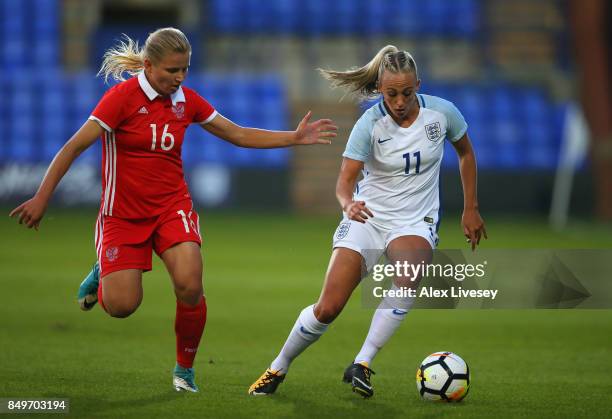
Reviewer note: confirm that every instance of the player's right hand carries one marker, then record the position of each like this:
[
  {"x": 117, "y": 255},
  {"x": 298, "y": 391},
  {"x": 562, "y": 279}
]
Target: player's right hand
[
  {"x": 357, "y": 210},
  {"x": 30, "y": 212}
]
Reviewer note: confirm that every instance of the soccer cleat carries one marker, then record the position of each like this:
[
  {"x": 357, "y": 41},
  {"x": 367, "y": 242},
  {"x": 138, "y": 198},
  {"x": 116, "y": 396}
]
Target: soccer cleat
[
  {"x": 267, "y": 383},
  {"x": 88, "y": 290},
  {"x": 183, "y": 379},
  {"x": 358, "y": 375}
]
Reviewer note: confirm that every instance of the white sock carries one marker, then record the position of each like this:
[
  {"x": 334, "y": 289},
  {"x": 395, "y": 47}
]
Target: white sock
[
  {"x": 387, "y": 318},
  {"x": 306, "y": 331}
]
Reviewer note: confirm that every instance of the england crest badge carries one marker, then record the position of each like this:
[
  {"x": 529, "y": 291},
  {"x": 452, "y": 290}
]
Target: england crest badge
[
  {"x": 343, "y": 230},
  {"x": 433, "y": 131}
]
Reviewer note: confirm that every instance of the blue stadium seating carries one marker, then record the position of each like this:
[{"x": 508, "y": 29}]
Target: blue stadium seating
[
  {"x": 512, "y": 127},
  {"x": 29, "y": 34},
  {"x": 345, "y": 17}
]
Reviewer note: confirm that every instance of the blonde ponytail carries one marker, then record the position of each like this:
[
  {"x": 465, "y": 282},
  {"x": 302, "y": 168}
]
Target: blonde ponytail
[
  {"x": 363, "y": 81},
  {"x": 127, "y": 57}
]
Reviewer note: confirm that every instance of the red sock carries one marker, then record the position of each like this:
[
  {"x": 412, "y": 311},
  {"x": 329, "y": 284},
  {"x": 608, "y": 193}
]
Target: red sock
[
  {"x": 188, "y": 326},
  {"x": 100, "y": 296}
]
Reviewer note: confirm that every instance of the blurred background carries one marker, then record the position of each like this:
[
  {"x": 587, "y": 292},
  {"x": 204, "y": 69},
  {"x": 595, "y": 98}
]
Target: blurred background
[
  {"x": 531, "y": 78},
  {"x": 507, "y": 65}
]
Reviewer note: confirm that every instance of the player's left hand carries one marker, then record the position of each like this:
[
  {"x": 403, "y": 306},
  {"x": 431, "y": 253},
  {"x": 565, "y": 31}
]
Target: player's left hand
[
  {"x": 473, "y": 227},
  {"x": 30, "y": 212},
  {"x": 321, "y": 131}
]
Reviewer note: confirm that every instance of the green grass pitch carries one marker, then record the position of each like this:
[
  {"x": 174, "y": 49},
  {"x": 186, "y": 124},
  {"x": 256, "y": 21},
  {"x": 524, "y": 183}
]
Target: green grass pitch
[{"x": 260, "y": 271}]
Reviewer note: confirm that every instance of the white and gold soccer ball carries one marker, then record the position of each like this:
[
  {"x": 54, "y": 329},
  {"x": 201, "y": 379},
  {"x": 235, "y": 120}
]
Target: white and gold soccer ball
[{"x": 443, "y": 376}]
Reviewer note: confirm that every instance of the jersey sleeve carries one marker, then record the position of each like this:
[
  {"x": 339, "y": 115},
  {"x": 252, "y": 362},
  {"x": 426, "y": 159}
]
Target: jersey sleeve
[
  {"x": 359, "y": 144},
  {"x": 109, "y": 111},
  {"x": 204, "y": 111},
  {"x": 457, "y": 127}
]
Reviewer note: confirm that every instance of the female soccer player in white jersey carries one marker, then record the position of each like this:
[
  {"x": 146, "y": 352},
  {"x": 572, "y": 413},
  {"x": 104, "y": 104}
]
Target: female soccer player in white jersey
[
  {"x": 145, "y": 204},
  {"x": 397, "y": 144}
]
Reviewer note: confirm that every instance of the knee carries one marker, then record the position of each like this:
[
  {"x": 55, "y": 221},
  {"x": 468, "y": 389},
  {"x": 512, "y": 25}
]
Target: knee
[
  {"x": 326, "y": 312},
  {"x": 189, "y": 293},
  {"x": 120, "y": 313},
  {"x": 121, "y": 310},
  {"x": 406, "y": 282}
]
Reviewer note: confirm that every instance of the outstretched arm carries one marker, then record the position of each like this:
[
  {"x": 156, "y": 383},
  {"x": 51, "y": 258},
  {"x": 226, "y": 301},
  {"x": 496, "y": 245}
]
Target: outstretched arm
[
  {"x": 472, "y": 223},
  {"x": 354, "y": 210},
  {"x": 32, "y": 211},
  {"x": 319, "y": 132}
]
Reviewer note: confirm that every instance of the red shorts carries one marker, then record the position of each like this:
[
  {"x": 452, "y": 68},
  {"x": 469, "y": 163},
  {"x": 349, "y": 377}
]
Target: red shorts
[{"x": 128, "y": 243}]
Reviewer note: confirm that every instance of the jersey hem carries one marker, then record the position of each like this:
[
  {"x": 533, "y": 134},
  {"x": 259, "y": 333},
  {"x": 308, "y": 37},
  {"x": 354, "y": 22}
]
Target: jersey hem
[
  {"x": 354, "y": 157},
  {"x": 158, "y": 211},
  {"x": 458, "y": 136}
]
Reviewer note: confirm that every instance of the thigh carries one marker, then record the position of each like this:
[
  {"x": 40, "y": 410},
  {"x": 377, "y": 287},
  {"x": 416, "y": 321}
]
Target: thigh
[
  {"x": 412, "y": 249},
  {"x": 346, "y": 268},
  {"x": 122, "y": 290},
  {"x": 184, "y": 264},
  {"x": 177, "y": 241},
  {"x": 424, "y": 230}
]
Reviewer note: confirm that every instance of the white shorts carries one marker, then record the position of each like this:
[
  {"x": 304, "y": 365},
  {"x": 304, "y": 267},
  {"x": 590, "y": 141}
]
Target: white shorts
[{"x": 371, "y": 241}]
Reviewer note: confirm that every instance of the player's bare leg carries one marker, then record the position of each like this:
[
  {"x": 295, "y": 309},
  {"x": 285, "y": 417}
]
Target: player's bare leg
[
  {"x": 390, "y": 313},
  {"x": 121, "y": 292},
  {"x": 343, "y": 275},
  {"x": 346, "y": 268},
  {"x": 184, "y": 264}
]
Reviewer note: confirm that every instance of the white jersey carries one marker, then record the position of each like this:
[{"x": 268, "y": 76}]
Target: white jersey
[{"x": 400, "y": 182}]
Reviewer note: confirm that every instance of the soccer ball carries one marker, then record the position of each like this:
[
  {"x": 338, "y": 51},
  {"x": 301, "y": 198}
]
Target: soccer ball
[{"x": 443, "y": 376}]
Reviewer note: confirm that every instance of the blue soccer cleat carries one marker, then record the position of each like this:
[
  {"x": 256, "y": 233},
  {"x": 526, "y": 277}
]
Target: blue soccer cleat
[
  {"x": 183, "y": 379},
  {"x": 88, "y": 290}
]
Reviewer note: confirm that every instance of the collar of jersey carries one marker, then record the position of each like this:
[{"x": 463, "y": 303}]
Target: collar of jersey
[
  {"x": 146, "y": 87},
  {"x": 382, "y": 107}
]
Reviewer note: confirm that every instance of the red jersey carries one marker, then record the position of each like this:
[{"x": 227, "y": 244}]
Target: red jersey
[{"x": 143, "y": 136}]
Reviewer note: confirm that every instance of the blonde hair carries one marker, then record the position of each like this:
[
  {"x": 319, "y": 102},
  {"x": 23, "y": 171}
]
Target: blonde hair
[
  {"x": 364, "y": 81},
  {"x": 128, "y": 57}
]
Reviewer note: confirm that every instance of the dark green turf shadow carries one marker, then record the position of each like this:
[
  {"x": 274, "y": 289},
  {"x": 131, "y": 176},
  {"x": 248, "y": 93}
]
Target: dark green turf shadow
[
  {"x": 312, "y": 405},
  {"x": 84, "y": 406}
]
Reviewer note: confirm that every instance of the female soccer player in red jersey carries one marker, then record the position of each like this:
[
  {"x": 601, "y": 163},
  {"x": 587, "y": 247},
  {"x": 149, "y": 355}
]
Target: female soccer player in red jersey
[{"x": 145, "y": 204}]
